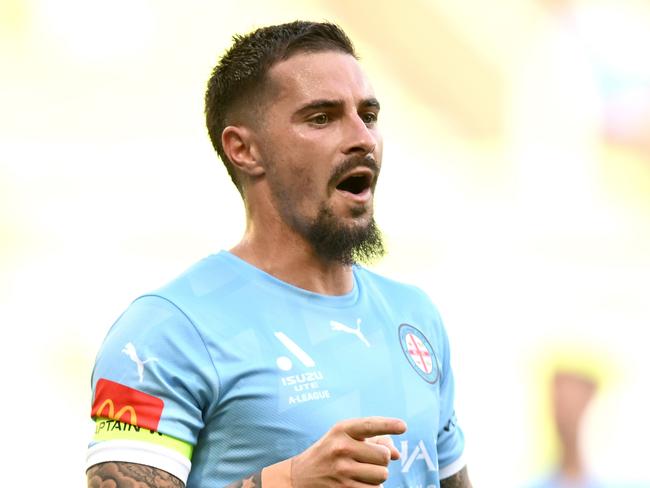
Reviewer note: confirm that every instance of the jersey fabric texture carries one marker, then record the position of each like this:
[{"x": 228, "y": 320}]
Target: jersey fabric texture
[{"x": 248, "y": 370}]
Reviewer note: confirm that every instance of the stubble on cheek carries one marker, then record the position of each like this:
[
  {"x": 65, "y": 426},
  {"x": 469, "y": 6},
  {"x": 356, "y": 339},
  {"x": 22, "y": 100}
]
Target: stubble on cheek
[{"x": 295, "y": 196}]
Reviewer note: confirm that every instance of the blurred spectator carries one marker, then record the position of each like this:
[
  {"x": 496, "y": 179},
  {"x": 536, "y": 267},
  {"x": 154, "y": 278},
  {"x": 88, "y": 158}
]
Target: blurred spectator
[{"x": 571, "y": 393}]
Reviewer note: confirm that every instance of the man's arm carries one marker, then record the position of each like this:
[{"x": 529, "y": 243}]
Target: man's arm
[
  {"x": 128, "y": 475},
  {"x": 458, "y": 480},
  {"x": 353, "y": 452}
]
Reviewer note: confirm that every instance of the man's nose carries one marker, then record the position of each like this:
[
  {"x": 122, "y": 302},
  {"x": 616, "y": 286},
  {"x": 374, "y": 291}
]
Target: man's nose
[{"x": 359, "y": 138}]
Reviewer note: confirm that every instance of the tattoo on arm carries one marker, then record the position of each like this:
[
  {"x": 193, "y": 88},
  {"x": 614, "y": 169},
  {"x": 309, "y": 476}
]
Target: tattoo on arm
[
  {"x": 128, "y": 475},
  {"x": 255, "y": 481},
  {"x": 458, "y": 480}
]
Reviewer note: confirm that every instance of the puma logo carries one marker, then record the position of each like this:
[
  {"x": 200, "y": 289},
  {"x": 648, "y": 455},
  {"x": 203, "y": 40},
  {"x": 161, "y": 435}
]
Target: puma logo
[
  {"x": 129, "y": 350},
  {"x": 338, "y": 326}
]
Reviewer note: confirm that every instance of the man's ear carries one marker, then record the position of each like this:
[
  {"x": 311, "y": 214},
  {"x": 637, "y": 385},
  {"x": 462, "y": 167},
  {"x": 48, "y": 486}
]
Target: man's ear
[{"x": 240, "y": 148}]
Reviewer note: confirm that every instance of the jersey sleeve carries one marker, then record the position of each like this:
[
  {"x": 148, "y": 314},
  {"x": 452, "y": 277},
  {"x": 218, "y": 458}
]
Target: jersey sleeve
[
  {"x": 451, "y": 441},
  {"x": 152, "y": 382}
]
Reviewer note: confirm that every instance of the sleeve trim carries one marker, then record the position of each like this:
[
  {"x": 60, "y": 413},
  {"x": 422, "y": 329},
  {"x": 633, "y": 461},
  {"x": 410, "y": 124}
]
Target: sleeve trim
[
  {"x": 141, "y": 453},
  {"x": 453, "y": 468}
]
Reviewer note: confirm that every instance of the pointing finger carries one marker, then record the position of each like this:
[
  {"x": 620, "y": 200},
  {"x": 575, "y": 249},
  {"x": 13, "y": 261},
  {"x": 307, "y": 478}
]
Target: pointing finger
[{"x": 363, "y": 428}]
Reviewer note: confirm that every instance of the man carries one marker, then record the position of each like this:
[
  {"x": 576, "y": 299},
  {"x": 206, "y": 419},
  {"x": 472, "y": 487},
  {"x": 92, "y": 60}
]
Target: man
[
  {"x": 572, "y": 390},
  {"x": 282, "y": 362}
]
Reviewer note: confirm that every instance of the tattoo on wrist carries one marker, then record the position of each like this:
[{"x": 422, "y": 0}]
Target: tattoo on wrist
[
  {"x": 124, "y": 475},
  {"x": 254, "y": 481}
]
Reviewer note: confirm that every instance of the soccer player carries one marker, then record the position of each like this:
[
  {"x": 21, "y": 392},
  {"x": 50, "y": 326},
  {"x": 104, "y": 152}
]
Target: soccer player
[{"x": 282, "y": 362}]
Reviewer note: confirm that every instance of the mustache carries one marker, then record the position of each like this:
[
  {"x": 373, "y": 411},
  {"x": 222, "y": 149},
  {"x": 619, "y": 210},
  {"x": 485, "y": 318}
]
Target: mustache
[{"x": 349, "y": 164}]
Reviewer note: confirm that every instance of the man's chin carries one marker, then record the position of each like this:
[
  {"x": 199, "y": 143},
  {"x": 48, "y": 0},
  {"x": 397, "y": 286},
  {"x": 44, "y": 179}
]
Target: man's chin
[
  {"x": 346, "y": 208},
  {"x": 362, "y": 214},
  {"x": 345, "y": 241}
]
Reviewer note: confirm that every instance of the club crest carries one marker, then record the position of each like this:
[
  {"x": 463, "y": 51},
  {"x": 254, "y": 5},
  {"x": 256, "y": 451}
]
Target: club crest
[{"x": 419, "y": 353}]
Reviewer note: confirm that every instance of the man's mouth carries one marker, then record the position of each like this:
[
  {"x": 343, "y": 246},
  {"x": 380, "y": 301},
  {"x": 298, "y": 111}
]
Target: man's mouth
[{"x": 357, "y": 182}]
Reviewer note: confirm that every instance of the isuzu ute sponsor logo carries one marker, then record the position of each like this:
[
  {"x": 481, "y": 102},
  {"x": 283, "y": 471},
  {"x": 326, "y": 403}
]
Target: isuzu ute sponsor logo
[
  {"x": 303, "y": 387},
  {"x": 119, "y": 402},
  {"x": 419, "y": 352},
  {"x": 285, "y": 363},
  {"x": 306, "y": 387}
]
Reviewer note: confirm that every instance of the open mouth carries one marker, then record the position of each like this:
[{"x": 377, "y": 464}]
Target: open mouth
[{"x": 356, "y": 183}]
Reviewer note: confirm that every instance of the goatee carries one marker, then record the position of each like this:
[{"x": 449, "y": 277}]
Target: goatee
[{"x": 335, "y": 242}]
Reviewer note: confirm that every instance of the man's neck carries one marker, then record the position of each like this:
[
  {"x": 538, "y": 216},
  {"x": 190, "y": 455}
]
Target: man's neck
[{"x": 292, "y": 260}]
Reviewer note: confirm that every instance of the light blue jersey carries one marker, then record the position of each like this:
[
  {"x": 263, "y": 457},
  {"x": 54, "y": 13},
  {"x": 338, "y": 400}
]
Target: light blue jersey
[{"x": 242, "y": 370}]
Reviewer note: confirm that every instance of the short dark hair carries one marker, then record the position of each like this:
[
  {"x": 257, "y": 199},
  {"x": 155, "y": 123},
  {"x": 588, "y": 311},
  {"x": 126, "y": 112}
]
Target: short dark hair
[{"x": 240, "y": 75}]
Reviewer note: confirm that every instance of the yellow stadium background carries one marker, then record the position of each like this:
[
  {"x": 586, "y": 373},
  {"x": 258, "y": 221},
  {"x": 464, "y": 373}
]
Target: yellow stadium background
[{"x": 515, "y": 190}]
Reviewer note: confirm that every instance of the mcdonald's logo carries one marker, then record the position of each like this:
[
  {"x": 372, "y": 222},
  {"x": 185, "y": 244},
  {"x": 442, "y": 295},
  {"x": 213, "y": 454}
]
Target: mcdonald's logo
[
  {"x": 119, "y": 402},
  {"x": 107, "y": 410}
]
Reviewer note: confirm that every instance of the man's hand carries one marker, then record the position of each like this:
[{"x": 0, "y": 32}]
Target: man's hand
[{"x": 354, "y": 453}]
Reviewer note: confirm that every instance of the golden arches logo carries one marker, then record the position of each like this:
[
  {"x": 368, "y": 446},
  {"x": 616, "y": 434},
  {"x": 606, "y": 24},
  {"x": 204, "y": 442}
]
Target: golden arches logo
[
  {"x": 116, "y": 401},
  {"x": 111, "y": 411}
]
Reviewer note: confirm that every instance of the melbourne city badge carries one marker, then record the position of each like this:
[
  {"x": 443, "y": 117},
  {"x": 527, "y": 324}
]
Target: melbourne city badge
[{"x": 419, "y": 353}]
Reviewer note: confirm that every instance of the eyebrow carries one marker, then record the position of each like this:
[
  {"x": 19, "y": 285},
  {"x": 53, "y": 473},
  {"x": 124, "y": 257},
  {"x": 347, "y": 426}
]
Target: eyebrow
[
  {"x": 371, "y": 102},
  {"x": 323, "y": 104}
]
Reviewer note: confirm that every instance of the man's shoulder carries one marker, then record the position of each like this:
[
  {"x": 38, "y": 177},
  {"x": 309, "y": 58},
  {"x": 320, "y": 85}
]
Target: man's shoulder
[
  {"x": 205, "y": 277},
  {"x": 397, "y": 289},
  {"x": 205, "y": 283},
  {"x": 408, "y": 304},
  {"x": 200, "y": 291}
]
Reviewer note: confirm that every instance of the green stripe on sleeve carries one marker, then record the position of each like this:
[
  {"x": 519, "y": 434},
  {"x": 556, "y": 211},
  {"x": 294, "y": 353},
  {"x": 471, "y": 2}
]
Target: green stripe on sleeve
[{"x": 109, "y": 430}]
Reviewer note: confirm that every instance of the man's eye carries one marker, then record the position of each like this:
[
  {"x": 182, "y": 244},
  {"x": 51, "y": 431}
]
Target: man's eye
[
  {"x": 319, "y": 119},
  {"x": 369, "y": 117}
]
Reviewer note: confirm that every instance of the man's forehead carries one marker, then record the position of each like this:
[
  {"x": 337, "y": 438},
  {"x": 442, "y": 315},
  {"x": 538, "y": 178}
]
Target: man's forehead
[{"x": 323, "y": 74}]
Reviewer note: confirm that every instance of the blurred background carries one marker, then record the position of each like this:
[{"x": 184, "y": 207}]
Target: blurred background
[{"x": 515, "y": 190}]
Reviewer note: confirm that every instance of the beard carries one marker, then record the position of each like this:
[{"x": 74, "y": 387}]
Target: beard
[
  {"x": 331, "y": 239},
  {"x": 335, "y": 242}
]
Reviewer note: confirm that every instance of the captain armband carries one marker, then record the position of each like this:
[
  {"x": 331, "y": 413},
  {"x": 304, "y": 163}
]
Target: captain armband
[{"x": 120, "y": 441}]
